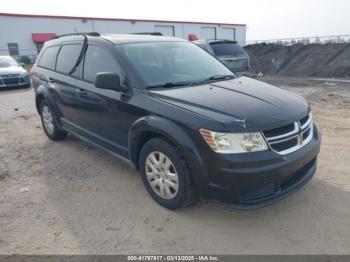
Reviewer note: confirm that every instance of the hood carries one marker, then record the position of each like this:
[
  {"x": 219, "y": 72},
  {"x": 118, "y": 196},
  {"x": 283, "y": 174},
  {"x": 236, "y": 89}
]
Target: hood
[
  {"x": 238, "y": 104},
  {"x": 11, "y": 70}
]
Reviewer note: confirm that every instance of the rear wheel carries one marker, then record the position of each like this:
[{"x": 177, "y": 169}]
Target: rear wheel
[
  {"x": 165, "y": 174},
  {"x": 49, "y": 124}
]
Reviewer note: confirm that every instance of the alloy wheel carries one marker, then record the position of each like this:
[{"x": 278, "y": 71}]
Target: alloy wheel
[
  {"x": 161, "y": 175},
  {"x": 47, "y": 119}
]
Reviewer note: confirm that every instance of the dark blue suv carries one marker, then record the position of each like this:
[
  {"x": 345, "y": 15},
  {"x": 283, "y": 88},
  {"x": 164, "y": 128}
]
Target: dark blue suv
[{"x": 189, "y": 125}]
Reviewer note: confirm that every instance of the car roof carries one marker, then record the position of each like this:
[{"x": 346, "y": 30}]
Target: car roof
[{"x": 116, "y": 38}]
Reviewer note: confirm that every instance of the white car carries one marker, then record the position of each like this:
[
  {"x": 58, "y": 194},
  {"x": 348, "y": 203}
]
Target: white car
[{"x": 12, "y": 74}]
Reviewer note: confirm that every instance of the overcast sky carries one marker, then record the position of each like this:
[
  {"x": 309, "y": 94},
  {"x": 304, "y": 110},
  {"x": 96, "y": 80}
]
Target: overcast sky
[{"x": 266, "y": 19}]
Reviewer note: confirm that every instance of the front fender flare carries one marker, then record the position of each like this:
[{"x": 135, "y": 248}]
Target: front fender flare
[{"x": 175, "y": 134}]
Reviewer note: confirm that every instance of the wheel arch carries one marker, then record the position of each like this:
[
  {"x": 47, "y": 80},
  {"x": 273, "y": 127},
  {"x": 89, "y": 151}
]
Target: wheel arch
[
  {"x": 43, "y": 93},
  {"x": 149, "y": 127}
]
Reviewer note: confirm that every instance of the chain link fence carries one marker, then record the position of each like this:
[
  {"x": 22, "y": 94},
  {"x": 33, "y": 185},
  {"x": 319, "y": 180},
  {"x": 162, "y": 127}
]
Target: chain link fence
[{"x": 304, "y": 40}]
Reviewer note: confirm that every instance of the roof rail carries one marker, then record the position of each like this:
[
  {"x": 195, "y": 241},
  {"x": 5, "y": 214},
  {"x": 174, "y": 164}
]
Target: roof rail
[
  {"x": 86, "y": 33},
  {"x": 148, "y": 33}
]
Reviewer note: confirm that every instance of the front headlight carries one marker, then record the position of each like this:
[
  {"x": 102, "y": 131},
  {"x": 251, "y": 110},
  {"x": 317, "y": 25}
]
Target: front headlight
[
  {"x": 234, "y": 142},
  {"x": 23, "y": 74}
]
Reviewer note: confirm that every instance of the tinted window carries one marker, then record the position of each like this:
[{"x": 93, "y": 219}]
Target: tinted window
[
  {"x": 48, "y": 57},
  {"x": 203, "y": 46},
  {"x": 227, "y": 49},
  {"x": 67, "y": 57},
  {"x": 98, "y": 59}
]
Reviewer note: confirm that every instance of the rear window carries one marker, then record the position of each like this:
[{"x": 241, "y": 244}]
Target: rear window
[
  {"x": 227, "y": 49},
  {"x": 48, "y": 57},
  {"x": 67, "y": 57},
  {"x": 203, "y": 46}
]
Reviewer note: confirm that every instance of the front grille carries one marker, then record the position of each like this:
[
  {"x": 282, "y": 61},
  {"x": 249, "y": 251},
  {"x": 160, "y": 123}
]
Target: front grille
[
  {"x": 304, "y": 120},
  {"x": 12, "y": 79},
  {"x": 306, "y": 133},
  {"x": 279, "y": 131},
  {"x": 281, "y": 146},
  {"x": 289, "y": 138}
]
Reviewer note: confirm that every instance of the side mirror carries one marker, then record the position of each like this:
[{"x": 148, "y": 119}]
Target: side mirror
[
  {"x": 109, "y": 80},
  {"x": 22, "y": 64}
]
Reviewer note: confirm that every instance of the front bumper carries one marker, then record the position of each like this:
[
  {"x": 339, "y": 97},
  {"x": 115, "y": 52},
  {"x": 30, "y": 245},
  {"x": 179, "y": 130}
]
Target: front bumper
[
  {"x": 253, "y": 180},
  {"x": 14, "y": 81}
]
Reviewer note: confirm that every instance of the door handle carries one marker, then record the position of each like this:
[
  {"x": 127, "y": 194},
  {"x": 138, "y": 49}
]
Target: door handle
[
  {"x": 80, "y": 91},
  {"x": 49, "y": 79}
]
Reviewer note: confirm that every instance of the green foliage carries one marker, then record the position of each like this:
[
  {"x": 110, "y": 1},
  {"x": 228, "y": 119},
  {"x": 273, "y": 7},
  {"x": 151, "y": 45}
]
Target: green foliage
[{"x": 25, "y": 60}]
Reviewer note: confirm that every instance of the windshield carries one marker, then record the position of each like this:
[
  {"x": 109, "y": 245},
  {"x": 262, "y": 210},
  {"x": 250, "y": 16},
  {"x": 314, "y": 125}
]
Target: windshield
[
  {"x": 168, "y": 63},
  {"x": 227, "y": 49},
  {"x": 7, "y": 62}
]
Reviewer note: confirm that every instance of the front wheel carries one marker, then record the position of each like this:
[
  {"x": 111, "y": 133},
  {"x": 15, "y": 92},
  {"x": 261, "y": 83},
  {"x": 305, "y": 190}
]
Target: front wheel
[
  {"x": 165, "y": 174},
  {"x": 49, "y": 124}
]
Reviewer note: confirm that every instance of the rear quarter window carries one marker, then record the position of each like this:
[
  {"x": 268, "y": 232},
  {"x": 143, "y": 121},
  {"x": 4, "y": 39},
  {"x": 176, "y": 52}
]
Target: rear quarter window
[{"x": 48, "y": 57}]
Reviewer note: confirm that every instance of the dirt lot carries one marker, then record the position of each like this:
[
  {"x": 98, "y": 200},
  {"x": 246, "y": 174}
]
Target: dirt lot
[{"x": 70, "y": 198}]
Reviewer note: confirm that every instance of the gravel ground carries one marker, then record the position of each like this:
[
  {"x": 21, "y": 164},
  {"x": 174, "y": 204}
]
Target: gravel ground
[{"x": 70, "y": 198}]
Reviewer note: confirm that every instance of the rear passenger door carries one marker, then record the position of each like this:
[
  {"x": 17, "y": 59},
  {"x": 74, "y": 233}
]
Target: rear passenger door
[
  {"x": 99, "y": 114},
  {"x": 63, "y": 85}
]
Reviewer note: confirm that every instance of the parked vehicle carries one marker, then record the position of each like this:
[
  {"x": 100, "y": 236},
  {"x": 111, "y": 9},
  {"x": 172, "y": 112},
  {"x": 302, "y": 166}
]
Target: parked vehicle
[
  {"x": 12, "y": 74},
  {"x": 179, "y": 116},
  {"x": 228, "y": 52}
]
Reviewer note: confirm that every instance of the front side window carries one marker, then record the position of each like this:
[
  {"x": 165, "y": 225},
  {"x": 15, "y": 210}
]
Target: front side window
[
  {"x": 67, "y": 57},
  {"x": 97, "y": 60},
  {"x": 47, "y": 59},
  {"x": 159, "y": 63}
]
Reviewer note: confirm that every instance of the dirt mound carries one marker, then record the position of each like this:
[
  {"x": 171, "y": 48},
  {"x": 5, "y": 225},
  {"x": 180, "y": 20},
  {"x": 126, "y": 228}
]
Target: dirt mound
[{"x": 321, "y": 60}]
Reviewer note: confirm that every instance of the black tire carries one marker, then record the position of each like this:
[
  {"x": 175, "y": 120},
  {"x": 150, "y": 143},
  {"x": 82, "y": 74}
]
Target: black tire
[
  {"x": 56, "y": 134},
  {"x": 185, "y": 195}
]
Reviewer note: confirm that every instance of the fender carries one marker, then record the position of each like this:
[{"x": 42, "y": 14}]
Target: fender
[
  {"x": 42, "y": 92},
  {"x": 175, "y": 134}
]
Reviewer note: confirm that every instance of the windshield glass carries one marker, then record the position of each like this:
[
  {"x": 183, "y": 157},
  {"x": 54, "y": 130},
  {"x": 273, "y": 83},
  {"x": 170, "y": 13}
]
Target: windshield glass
[
  {"x": 161, "y": 63},
  {"x": 7, "y": 62},
  {"x": 227, "y": 49}
]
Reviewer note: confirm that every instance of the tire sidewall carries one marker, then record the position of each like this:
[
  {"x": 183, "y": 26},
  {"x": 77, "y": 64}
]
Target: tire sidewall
[{"x": 171, "y": 152}]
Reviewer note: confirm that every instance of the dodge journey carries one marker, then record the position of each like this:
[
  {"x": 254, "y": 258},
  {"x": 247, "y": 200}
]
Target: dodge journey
[{"x": 191, "y": 127}]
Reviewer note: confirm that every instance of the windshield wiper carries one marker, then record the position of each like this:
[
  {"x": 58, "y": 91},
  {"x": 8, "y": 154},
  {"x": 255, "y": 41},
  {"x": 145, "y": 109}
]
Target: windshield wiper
[
  {"x": 81, "y": 55},
  {"x": 190, "y": 83},
  {"x": 171, "y": 84},
  {"x": 214, "y": 78}
]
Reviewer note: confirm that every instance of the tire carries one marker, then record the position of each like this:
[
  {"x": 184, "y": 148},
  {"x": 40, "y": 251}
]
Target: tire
[
  {"x": 51, "y": 129},
  {"x": 170, "y": 198}
]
